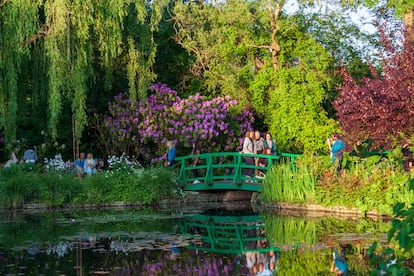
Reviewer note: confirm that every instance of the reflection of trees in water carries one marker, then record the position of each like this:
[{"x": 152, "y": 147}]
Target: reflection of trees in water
[
  {"x": 161, "y": 254},
  {"x": 287, "y": 232},
  {"x": 307, "y": 243},
  {"x": 130, "y": 244}
]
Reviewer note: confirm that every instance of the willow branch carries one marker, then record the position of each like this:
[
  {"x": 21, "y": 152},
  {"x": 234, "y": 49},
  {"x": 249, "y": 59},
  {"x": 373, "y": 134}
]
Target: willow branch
[
  {"x": 3, "y": 3},
  {"x": 259, "y": 46},
  {"x": 41, "y": 34}
]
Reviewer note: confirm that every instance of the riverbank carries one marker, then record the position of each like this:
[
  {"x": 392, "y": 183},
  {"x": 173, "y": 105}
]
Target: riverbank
[{"x": 211, "y": 200}]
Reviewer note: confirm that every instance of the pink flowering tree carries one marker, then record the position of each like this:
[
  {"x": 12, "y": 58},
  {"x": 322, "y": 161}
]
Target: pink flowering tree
[{"x": 142, "y": 129}]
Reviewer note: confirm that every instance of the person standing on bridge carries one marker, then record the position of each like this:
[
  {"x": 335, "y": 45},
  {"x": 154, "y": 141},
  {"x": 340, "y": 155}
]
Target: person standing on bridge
[
  {"x": 248, "y": 148},
  {"x": 270, "y": 143},
  {"x": 258, "y": 148}
]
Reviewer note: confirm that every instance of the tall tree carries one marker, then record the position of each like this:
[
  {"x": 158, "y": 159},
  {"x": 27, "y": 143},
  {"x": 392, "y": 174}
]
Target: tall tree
[
  {"x": 76, "y": 38},
  {"x": 17, "y": 24},
  {"x": 381, "y": 108},
  {"x": 254, "y": 52}
]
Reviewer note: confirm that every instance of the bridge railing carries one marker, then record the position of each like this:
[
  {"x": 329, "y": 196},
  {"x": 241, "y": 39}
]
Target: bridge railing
[
  {"x": 226, "y": 234},
  {"x": 225, "y": 168}
]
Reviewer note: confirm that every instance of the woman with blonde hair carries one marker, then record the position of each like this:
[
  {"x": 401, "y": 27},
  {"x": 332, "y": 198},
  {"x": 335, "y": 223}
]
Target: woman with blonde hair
[{"x": 248, "y": 148}]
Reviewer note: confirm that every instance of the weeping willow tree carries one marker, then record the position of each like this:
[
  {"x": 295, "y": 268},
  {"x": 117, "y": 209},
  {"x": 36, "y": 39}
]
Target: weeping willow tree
[
  {"x": 18, "y": 21},
  {"x": 72, "y": 39}
]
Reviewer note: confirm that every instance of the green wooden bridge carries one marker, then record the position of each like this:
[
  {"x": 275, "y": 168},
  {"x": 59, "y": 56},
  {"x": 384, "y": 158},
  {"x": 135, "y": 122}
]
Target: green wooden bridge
[
  {"x": 225, "y": 171},
  {"x": 226, "y": 234}
]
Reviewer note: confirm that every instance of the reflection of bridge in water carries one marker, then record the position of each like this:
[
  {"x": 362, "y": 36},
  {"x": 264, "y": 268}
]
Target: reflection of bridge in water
[
  {"x": 230, "y": 234},
  {"x": 226, "y": 171}
]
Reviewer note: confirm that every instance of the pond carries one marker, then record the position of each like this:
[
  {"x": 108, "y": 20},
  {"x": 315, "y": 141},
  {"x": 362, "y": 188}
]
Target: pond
[{"x": 221, "y": 239}]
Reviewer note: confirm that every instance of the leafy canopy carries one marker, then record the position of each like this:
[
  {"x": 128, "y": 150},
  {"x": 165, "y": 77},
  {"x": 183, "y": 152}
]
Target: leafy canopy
[{"x": 381, "y": 108}]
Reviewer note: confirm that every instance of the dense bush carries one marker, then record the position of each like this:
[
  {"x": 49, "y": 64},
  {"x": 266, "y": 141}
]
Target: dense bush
[
  {"x": 55, "y": 188},
  {"x": 143, "y": 127},
  {"x": 374, "y": 183}
]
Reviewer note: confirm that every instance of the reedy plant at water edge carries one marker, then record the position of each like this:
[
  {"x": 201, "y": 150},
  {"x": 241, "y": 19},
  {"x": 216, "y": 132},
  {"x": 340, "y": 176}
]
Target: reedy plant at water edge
[
  {"x": 287, "y": 184},
  {"x": 17, "y": 187}
]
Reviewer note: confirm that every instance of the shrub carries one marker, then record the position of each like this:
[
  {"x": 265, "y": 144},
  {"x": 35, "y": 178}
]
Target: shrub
[
  {"x": 17, "y": 186},
  {"x": 58, "y": 188}
]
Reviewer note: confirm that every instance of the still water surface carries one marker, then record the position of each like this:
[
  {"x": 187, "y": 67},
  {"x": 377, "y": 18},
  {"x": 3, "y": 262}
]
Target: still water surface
[{"x": 213, "y": 240}]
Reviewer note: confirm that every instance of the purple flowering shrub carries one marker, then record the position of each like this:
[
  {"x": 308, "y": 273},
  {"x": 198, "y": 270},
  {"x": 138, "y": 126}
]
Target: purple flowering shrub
[{"x": 143, "y": 128}]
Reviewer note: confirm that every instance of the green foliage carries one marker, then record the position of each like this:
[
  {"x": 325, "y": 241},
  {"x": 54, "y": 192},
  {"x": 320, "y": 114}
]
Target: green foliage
[
  {"x": 285, "y": 184},
  {"x": 397, "y": 260},
  {"x": 25, "y": 183},
  {"x": 295, "y": 262},
  {"x": 294, "y": 114},
  {"x": 290, "y": 230},
  {"x": 64, "y": 43},
  {"x": 214, "y": 35},
  {"x": 17, "y": 23},
  {"x": 371, "y": 183},
  {"x": 290, "y": 98},
  {"x": 57, "y": 189},
  {"x": 17, "y": 186},
  {"x": 128, "y": 185}
]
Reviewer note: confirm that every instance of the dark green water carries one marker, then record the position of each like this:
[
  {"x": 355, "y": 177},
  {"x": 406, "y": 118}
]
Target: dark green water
[{"x": 219, "y": 240}]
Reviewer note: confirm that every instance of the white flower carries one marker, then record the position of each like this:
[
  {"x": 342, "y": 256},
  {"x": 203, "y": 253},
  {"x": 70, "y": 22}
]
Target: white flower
[
  {"x": 56, "y": 144},
  {"x": 63, "y": 146},
  {"x": 43, "y": 145}
]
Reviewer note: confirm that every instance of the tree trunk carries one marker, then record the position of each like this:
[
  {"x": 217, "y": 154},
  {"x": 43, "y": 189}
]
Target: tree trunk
[
  {"x": 409, "y": 23},
  {"x": 275, "y": 47}
]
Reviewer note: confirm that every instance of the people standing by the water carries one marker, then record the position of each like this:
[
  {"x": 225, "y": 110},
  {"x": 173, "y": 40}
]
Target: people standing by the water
[
  {"x": 336, "y": 147},
  {"x": 79, "y": 165},
  {"x": 270, "y": 143},
  {"x": 90, "y": 164},
  {"x": 12, "y": 160},
  {"x": 171, "y": 154},
  {"x": 248, "y": 148},
  {"x": 30, "y": 155}
]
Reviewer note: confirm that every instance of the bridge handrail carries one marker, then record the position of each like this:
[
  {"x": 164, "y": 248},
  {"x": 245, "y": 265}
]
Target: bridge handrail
[{"x": 229, "y": 162}]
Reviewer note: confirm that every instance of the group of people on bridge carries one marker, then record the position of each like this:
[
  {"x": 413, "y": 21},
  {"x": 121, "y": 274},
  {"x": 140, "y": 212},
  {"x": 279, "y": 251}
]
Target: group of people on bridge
[{"x": 254, "y": 143}]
